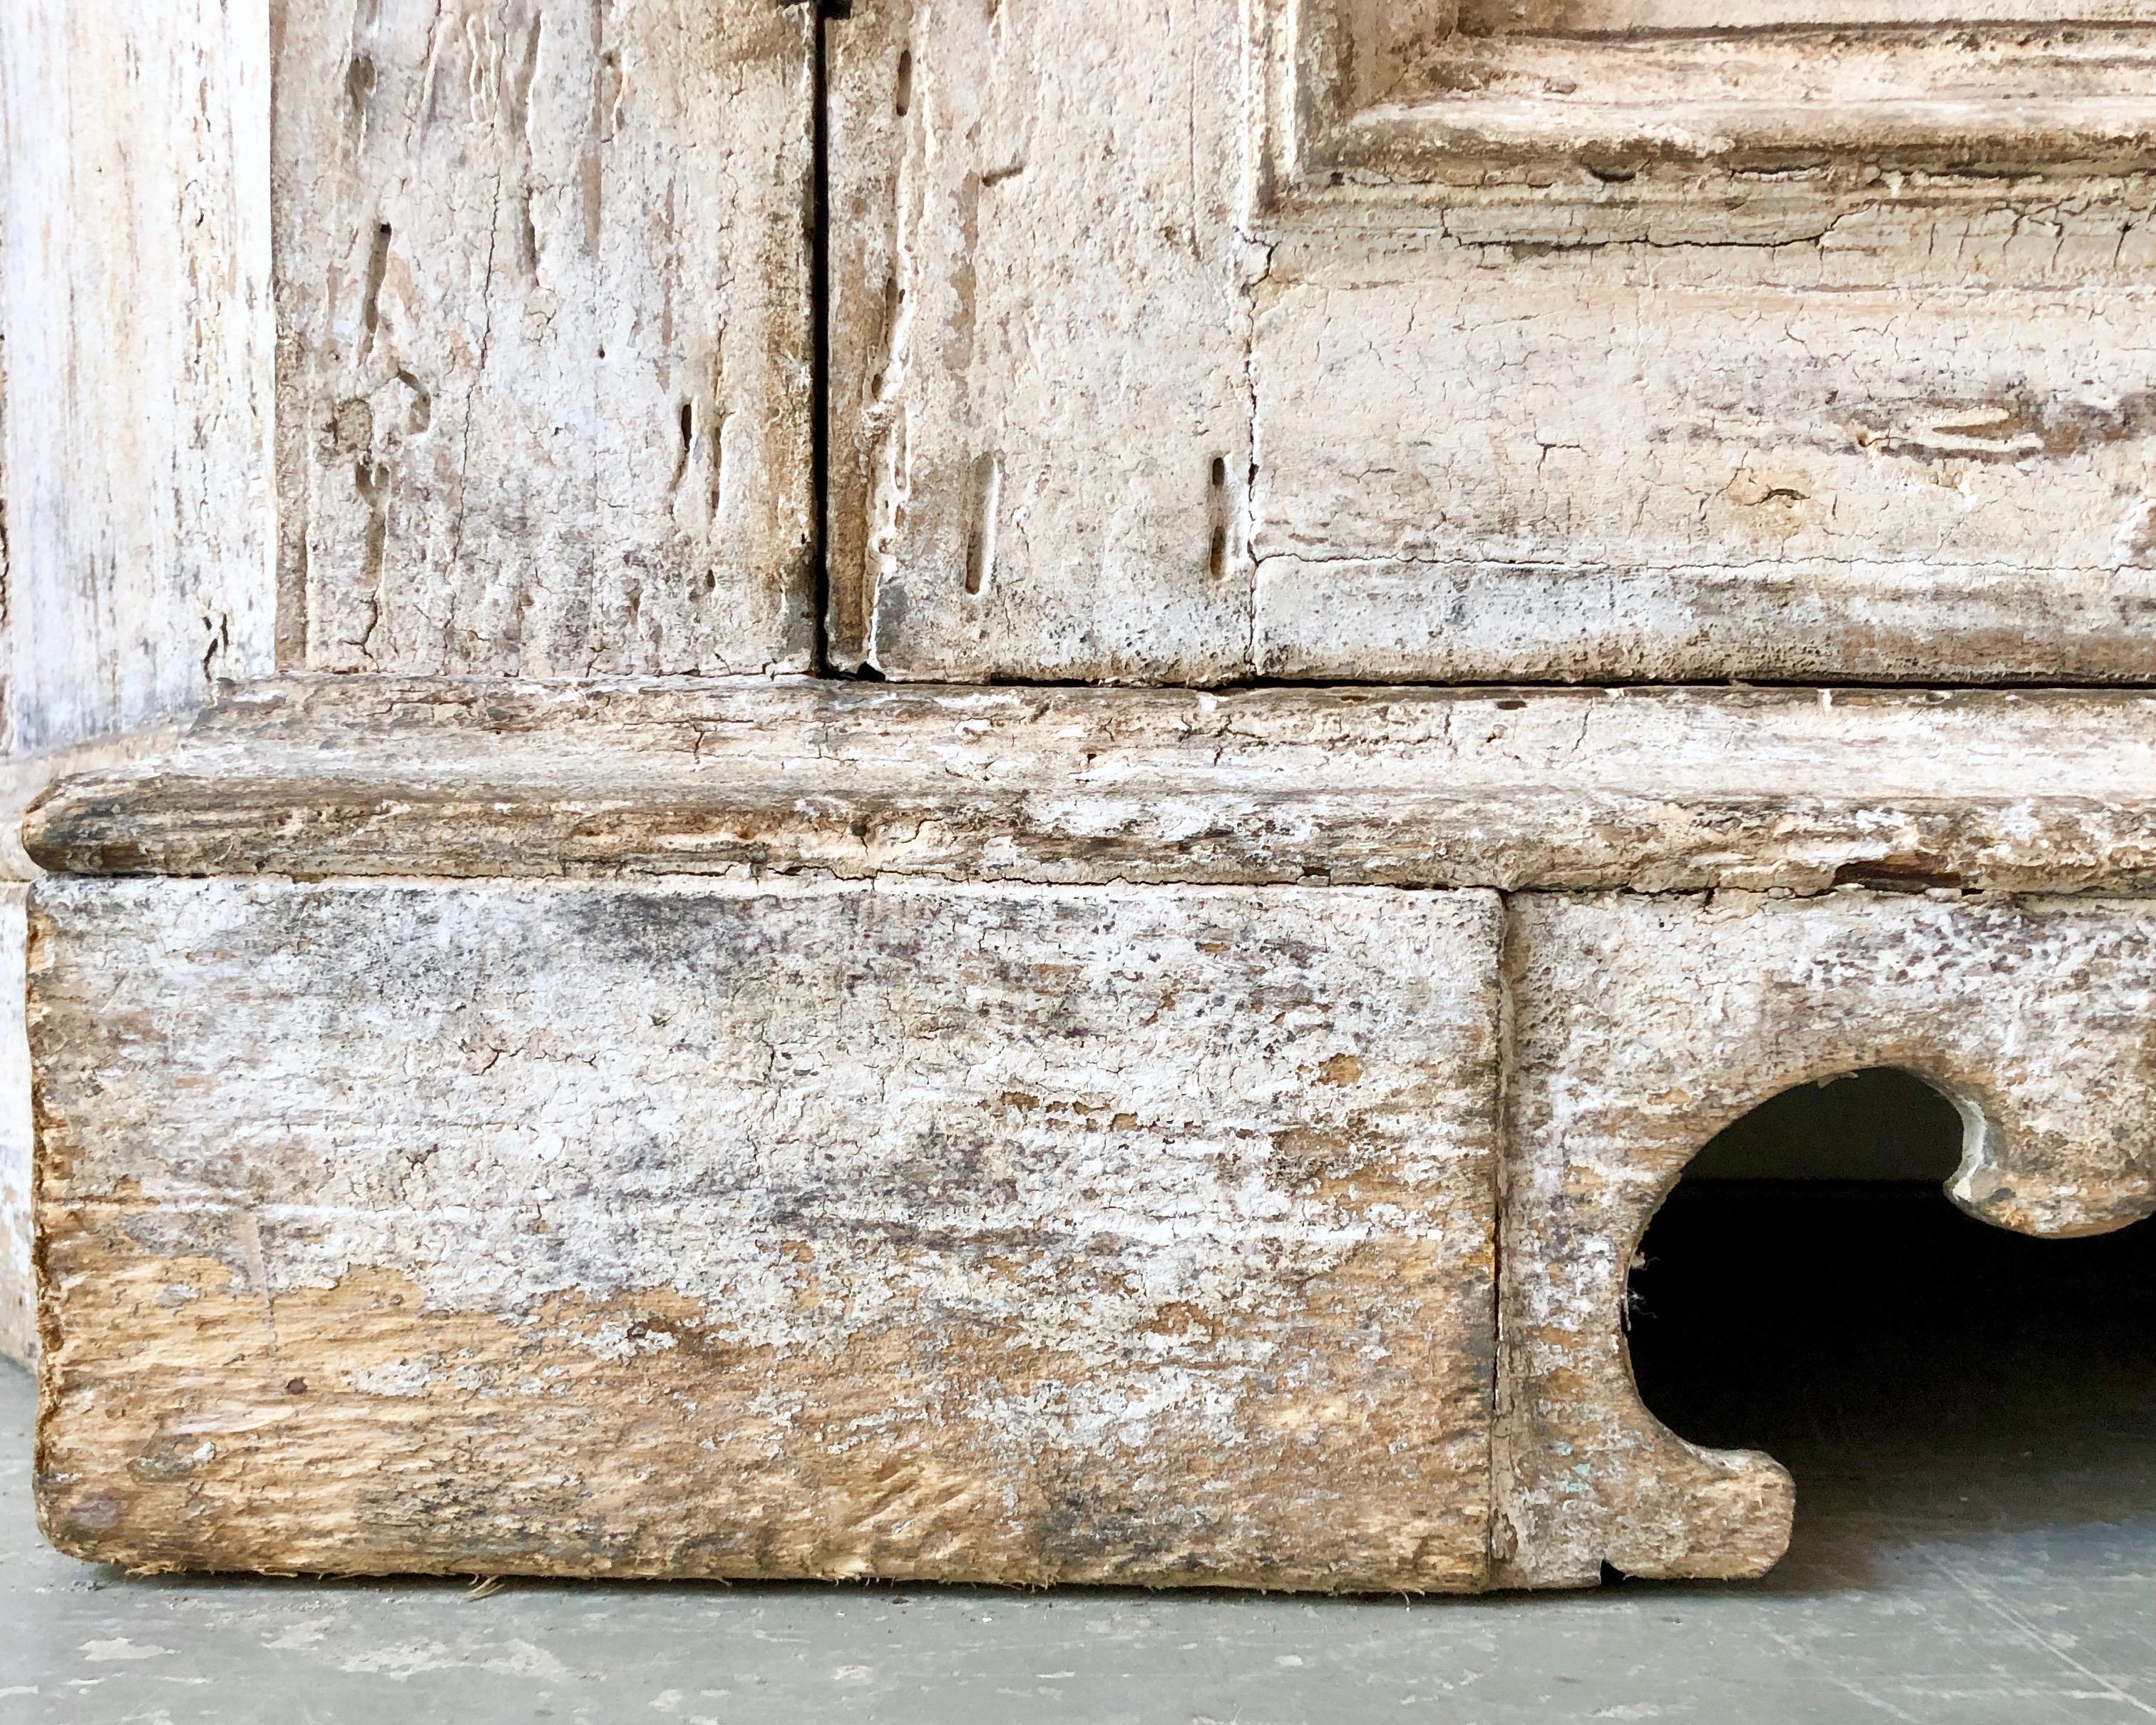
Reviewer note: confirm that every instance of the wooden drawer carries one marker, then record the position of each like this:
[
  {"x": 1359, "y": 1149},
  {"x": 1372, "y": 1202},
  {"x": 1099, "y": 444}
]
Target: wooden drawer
[{"x": 1012, "y": 1235}]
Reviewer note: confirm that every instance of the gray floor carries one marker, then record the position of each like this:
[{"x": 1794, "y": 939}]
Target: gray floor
[{"x": 2011, "y": 1586}]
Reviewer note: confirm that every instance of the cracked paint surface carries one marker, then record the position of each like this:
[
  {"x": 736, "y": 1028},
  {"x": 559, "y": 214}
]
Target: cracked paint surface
[
  {"x": 733, "y": 1230},
  {"x": 1472, "y": 421},
  {"x": 542, "y": 296}
]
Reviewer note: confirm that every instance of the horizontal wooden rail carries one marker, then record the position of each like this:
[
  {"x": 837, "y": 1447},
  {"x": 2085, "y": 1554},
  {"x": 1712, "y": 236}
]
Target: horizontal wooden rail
[{"x": 1650, "y": 789}]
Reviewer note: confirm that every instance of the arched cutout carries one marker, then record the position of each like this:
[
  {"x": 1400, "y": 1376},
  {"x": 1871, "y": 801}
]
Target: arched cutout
[
  {"x": 1808, "y": 1289},
  {"x": 1879, "y": 1125},
  {"x": 1644, "y": 1025}
]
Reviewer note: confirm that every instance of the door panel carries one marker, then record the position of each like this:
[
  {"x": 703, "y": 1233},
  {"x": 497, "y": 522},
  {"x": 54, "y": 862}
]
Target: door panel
[
  {"x": 544, "y": 348},
  {"x": 1040, "y": 340},
  {"x": 1346, "y": 341}
]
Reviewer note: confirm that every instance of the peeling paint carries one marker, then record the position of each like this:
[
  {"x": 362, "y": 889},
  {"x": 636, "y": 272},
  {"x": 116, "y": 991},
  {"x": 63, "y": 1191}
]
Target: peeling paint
[{"x": 736, "y": 1260}]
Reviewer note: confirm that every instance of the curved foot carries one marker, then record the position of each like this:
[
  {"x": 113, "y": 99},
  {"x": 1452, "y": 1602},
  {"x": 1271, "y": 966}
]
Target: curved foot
[{"x": 1645, "y": 1025}]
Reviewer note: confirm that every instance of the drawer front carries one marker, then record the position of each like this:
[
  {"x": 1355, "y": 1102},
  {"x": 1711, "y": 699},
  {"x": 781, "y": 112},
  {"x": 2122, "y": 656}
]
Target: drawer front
[{"x": 1010, "y": 1234}]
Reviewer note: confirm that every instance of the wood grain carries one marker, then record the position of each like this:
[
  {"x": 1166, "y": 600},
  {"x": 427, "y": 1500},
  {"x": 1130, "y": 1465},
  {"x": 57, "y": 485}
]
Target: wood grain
[
  {"x": 1674, "y": 400},
  {"x": 1011, "y": 1234},
  {"x": 1040, "y": 415},
  {"x": 24, "y": 778},
  {"x": 1644, "y": 1025},
  {"x": 139, "y": 348},
  {"x": 1493, "y": 17},
  {"x": 18, "y": 1281},
  {"x": 1658, "y": 790},
  {"x": 543, "y": 302},
  {"x": 1534, "y": 118},
  {"x": 1632, "y": 463}
]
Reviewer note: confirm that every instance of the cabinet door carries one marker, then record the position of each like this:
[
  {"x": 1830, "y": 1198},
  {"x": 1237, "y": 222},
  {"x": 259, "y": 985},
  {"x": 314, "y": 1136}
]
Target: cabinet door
[
  {"x": 543, "y": 323},
  {"x": 1495, "y": 339},
  {"x": 1016, "y": 1234}
]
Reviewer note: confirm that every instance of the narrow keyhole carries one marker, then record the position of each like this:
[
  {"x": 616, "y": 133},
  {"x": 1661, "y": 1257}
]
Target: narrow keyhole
[{"x": 902, "y": 98}]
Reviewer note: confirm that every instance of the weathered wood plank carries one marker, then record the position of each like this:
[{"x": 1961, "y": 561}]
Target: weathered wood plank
[
  {"x": 1040, "y": 411},
  {"x": 1766, "y": 126},
  {"x": 136, "y": 350},
  {"x": 1651, "y": 790},
  {"x": 18, "y": 1298},
  {"x": 542, "y": 292},
  {"x": 1644, "y": 1025},
  {"x": 1605, "y": 415},
  {"x": 136, "y": 319},
  {"x": 18, "y": 1290},
  {"x": 1020, "y": 1235},
  {"x": 24, "y": 777},
  {"x": 1629, "y": 463},
  {"x": 1496, "y": 17}
]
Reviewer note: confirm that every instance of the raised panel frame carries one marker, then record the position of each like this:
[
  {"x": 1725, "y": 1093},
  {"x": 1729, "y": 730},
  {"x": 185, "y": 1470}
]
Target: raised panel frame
[{"x": 1555, "y": 135}]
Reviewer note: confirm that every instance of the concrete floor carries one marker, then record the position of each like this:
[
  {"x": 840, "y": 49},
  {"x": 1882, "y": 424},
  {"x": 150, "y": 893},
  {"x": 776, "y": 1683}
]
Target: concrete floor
[{"x": 1977, "y": 1543}]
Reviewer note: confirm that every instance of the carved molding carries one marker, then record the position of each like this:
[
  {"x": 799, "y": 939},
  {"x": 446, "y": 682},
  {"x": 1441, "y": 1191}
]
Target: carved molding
[
  {"x": 1550, "y": 120},
  {"x": 1653, "y": 790}
]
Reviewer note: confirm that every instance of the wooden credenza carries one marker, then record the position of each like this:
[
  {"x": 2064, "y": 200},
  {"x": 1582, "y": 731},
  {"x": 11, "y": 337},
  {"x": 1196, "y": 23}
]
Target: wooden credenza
[{"x": 988, "y": 792}]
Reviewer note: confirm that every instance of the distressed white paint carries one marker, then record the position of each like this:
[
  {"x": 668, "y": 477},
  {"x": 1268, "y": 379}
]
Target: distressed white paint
[
  {"x": 139, "y": 341},
  {"x": 1039, "y": 339},
  {"x": 1644, "y": 1025},
  {"x": 542, "y": 292},
  {"x": 17, "y": 1293},
  {"x": 1765, "y": 102},
  {"x": 1637, "y": 403},
  {"x": 136, "y": 346},
  {"x": 23, "y": 778},
  {"x": 1028, "y": 1231},
  {"x": 1914, "y": 449},
  {"x": 1654, "y": 789},
  {"x": 1019, "y": 1234}
]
